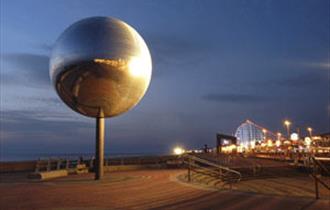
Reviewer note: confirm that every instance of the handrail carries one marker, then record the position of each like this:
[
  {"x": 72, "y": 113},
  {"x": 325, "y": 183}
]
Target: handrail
[
  {"x": 222, "y": 172},
  {"x": 251, "y": 164},
  {"x": 204, "y": 168},
  {"x": 316, "y": 160},
  {"x": 255, "y": 165},
  {"x": 319, "y": 180},
  {"x": 211, "y": 163},
  {"x": 322, "y": 158},
  {"x": 317, "y": 163}
]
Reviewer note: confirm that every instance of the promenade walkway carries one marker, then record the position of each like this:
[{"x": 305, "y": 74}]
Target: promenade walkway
[{"x": 145, "y": 189}]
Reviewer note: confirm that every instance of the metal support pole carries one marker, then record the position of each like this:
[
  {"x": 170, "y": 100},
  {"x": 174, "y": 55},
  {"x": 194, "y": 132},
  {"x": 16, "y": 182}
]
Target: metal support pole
[
  {"x": 189, "y": 169},
  {"x": 317, "y": 195},
  {"x": 99, "y": 148},
  {"x": 288, "y": 131}
]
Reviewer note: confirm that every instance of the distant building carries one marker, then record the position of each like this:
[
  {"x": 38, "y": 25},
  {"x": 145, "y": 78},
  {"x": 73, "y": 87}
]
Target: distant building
[
  {"x": 322, "y": 140},
  {"x": 248, "y": 132}
]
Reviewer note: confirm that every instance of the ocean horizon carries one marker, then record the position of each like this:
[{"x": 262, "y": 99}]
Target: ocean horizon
[{"x": 37, "y": 156}]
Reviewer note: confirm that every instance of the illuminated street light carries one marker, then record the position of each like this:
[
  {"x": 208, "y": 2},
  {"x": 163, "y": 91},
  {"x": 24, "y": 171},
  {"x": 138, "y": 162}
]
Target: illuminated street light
[
  {"x": 279, "y": 135},
  {"x": 294, "y": 137},
  {"x": 233, "y": 147},
  {"x": 240, "y": 148},
  {"x": 253, "y": 144},
  {"x": 287, "y": 124},
  {"x": 287, "y": 142},
  {"x": 178, "y": 151},
  {"x": 308, "y": 141},
  {"x": 278, "y": 143},
  {"x": 269, "y": 143},
  {"x": 309, "y": 129}
]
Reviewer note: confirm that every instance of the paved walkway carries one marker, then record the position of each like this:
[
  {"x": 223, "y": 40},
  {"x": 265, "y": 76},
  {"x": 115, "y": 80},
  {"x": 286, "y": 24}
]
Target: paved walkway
[{"x": 147, "y": 189}]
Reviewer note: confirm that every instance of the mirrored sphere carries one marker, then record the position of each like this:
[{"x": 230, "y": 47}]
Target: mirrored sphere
[{"x": 100, "y": 67}]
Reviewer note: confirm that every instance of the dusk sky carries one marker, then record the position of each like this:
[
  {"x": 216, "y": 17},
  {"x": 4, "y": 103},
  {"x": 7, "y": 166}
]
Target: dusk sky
[{"x": 215, "y": 64}]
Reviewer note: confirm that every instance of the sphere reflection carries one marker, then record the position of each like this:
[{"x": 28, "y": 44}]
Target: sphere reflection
[{"x": 100, "y": 67}]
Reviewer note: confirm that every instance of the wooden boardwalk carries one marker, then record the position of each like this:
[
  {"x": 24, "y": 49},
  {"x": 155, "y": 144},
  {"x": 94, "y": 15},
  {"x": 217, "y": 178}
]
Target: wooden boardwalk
[{"x": 145, "y": 189}]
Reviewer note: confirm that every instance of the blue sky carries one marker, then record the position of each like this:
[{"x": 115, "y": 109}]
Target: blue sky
[{"x": 215, "y": 64}]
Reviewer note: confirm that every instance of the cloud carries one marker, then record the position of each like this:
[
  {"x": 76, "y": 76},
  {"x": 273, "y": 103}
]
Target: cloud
[
  {"x": 34, "y": 67},
  {"x": 311, "y": 80},
  {"x": 234, "y": 98},
  {"x": 302, "y": 80},
  {"x": 171, "y": 51},
  {"x": 46, "y": 47},
  {"x": 176, "y": 46},
  {"x": 44, "y": 100},
  {"x": 40, "y": 116},
  {"x": 317, "y": 65},
  {"x": 32, "y": 132}
]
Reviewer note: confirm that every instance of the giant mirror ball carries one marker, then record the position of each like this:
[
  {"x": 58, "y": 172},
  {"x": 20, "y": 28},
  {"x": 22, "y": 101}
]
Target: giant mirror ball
[{"x": 100, "y": 67}]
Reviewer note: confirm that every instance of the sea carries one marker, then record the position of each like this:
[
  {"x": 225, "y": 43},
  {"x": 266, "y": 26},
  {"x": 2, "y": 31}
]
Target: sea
[{"x": 15, "y": 157}]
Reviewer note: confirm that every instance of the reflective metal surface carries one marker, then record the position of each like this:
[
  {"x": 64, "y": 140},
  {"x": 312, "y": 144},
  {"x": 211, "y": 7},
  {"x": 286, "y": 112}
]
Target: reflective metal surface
[{"x": 100, "y": 67}]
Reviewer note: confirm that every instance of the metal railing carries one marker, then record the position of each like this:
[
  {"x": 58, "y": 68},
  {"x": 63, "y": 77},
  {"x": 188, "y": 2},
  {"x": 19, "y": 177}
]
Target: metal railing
[
  {"x": 317, "y": 169},
  {"x": 56, "y": 164},
  {"x": 202, "y": 166}
]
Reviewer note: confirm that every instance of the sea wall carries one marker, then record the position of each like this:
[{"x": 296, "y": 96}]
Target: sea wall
[
  {"x": 17, "y": 166},
  {"x": 111, "y": 164}
]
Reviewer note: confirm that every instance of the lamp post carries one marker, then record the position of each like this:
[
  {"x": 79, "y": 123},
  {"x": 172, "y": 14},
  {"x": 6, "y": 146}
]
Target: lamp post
[
  {"x": 287, "y": 124},
  {"x": 309, "y": 129}
]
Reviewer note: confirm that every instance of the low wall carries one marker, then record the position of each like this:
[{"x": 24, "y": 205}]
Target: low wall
[
  {"x": 49, "y": 174},
  {"x": 112, "y": 164},
  {"x": 18, "y": 166}
]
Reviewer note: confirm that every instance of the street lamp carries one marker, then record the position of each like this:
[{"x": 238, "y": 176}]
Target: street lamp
[
  {"x": 287, "y": 124},
  {"x": 253, "y": 144},
  {"x": 308, "y": 141},
  {"x": 269, "y": 143},
  {"x": 178, "y": 151},
  {"x": 279, "y": 135},
  {"x": 309, "y": 129},
  {"x": 278, "y": 143},
  {"x": 294, "y": 137}
]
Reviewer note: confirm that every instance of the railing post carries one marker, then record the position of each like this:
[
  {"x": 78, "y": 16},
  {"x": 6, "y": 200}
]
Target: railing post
[
  {"x": 58, "y": 165},
  {"x": 189, "y": 169},
  {"x": 37, "y": 166},
  {"x": 49, "y": 165},
  {"x": 316, "y": 189},
  {"x": 91, "y": 163},
  {"x": 67, "y": 164},
  {"x": 317, "y": 196}
]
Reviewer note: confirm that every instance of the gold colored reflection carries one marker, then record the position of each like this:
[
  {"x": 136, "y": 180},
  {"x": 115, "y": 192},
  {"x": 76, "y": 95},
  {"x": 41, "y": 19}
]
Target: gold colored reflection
[{"x": 89, "y": 86}]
